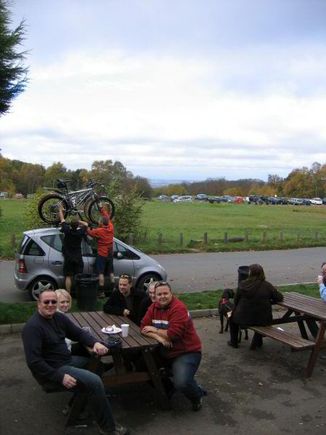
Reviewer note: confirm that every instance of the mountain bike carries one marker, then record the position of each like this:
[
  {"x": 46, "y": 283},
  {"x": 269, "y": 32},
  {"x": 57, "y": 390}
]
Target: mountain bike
[{"x": 85, "y": 203}]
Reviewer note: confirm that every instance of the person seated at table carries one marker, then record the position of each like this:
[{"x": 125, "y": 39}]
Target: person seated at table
[
  {"x": 321, "y": 280},
  {"x": 63, "y": 306},
  {"x": 52, "y": 364},
  {"x": 169, "y": 322},
  {"x": 125, "y": 301},
  {"x": 253, "y": 304},
  {"x": 148, "y": 300}
]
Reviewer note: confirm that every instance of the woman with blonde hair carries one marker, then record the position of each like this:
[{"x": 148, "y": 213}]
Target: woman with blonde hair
[{"x": 64, "y": 300}]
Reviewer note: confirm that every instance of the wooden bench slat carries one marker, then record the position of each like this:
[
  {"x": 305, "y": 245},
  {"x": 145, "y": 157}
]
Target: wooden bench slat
[{"x": 295, "y": 341}]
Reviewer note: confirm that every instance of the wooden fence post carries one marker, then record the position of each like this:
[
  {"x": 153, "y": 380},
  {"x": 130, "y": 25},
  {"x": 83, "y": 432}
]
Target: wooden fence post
[
  {"x": 181, "y": 239},
  {"x": 225, "y": 237},
  {"x": 205, "y": 239},
  {"x": 316, "y": 235},
  {"x": 130, "y": 239},
  {"x": 281, "y": 236},
  {"x": 160, "y": 239},
  {"x": 246, "y": 236},
  {"x": 264, "y": 237}
]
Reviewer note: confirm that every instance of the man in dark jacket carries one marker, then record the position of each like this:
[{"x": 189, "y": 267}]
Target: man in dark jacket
[
  {"x": 51, "y": 362},
  {"x": 125, "y": 301},
  {"x": 71, "y": 249}
]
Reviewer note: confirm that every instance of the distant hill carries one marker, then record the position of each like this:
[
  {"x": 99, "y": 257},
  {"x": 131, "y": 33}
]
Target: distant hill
[{"x": 159, "y": 182}]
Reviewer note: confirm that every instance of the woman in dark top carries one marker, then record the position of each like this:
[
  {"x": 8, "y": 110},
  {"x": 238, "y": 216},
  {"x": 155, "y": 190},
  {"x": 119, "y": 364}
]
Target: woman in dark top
[{"x": 253, "y": 303}]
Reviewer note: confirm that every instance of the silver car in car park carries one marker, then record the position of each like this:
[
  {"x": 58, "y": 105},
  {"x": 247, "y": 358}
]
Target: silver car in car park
[{"x": 39, "y": 261}]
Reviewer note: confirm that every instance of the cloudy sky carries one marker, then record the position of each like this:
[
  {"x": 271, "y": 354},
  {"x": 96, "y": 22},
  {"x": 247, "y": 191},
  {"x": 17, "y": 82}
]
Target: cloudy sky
[{"x": 174, "y": 89}]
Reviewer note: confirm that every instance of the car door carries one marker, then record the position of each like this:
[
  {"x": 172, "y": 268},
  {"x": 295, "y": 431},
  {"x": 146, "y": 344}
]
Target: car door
[
  {"x": 54, "y": 254},
  {"x": 123, "y": 260}
]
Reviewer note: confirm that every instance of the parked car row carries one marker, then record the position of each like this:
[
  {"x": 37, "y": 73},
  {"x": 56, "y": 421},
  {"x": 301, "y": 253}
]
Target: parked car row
[{"x": 252, "y": 199}]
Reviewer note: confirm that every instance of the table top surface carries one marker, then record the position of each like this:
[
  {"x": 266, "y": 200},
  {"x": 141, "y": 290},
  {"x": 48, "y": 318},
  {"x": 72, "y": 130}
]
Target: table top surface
[
  {"x": 97, "y": 320},
  {"x": 309, "y": 305}
]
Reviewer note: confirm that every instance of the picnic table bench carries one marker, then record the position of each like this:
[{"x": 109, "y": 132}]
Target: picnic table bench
[
  {"x": 294, "y": 341},
  {"x": 305, "y": 311}
]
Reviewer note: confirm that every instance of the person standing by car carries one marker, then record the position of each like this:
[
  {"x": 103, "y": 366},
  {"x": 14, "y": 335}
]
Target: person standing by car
[
  {"x": 71, "y": 248},
  {"x": 104, "y": 260},
  {"x": 125, "y": 301}
]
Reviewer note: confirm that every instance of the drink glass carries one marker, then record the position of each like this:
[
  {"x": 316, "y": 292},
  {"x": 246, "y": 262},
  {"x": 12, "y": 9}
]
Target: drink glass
[{"x": 125, "y": 329}]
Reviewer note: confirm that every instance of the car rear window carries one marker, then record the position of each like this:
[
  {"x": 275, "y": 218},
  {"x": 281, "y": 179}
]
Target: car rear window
[
  {"x": 23, "y": 244},
  {"x": 54, "y": 240},
  {"x": 32, "y": 248}
]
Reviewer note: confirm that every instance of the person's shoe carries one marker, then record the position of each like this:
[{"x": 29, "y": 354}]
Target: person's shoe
[
  {"x": 119, "y": 430},
  {"x": 197, "y": 404},
  {"x": 233, "y": 344}
]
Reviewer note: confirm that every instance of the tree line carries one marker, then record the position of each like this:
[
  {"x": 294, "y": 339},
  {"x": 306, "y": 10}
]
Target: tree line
[
  {"x": 301, "y": 182},
  {"x": 28, "y": 178}
]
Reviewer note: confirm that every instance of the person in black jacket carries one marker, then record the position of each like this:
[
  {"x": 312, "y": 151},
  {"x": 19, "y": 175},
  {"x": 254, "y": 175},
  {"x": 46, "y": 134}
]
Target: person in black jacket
[
  {"x": 125, "y": 301},
  {"x": 148, "y": 299},
  {"x": 71, "y": 248},
  {"x": 253, "y": 303},
  {"x": 51, "y": 362}
]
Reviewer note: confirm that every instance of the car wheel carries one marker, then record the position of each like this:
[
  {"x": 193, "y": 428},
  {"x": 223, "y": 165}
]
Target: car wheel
[
  {"x": 144, "y": 280},
  {"x": 39, "y": 284}
]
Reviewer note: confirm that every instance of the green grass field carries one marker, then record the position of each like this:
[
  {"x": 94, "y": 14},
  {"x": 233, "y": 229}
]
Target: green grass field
[{"x": 260, "y": 227}]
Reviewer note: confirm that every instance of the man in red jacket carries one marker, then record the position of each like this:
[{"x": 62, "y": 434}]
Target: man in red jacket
[
  {"x": 104, "y": 236},
  {"x": 169, "y": 322}
]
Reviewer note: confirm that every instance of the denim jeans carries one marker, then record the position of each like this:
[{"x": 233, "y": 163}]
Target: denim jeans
[
  {"x": 184, "y": 368},
  {"x": 91, "y": 384}
]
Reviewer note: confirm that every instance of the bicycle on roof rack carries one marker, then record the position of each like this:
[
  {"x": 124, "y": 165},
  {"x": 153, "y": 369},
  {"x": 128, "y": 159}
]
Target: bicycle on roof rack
[{"x": 85, "y": 203}]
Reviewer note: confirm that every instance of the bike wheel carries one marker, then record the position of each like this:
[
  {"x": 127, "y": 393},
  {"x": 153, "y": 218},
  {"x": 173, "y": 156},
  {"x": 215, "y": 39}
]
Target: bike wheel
[
  {"x": 93, "y": 211},
  {"x": 48, "y": 208}
]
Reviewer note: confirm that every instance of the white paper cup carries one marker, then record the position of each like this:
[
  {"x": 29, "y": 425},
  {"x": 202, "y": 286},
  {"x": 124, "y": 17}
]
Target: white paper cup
[{"x": 124, "y": 329}]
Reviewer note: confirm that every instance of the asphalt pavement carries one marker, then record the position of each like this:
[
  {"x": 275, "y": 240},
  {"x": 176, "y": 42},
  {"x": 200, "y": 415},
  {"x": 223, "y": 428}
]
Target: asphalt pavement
[
  {"x": 259, "y": 392},
  {"x": 209, "y": 271}
]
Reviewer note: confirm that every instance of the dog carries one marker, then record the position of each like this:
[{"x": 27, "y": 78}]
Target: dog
[{"x": 225, "y": 307}]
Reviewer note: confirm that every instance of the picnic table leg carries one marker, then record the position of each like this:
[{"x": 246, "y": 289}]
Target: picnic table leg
[
  {"x": 315, "y": 350},
  {"x": 156, "y": 379}
]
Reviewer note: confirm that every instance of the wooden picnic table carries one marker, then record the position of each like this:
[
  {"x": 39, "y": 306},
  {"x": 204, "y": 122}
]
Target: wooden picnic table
[
  {"x": 134, "y": 343},
  {"x": 306, "y": 311}
]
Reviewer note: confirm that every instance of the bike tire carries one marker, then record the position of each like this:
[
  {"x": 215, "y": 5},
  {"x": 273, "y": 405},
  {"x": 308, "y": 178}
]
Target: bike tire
[
  {"x": 93, "y": 208},
  {"x": 48, "y": 208}
]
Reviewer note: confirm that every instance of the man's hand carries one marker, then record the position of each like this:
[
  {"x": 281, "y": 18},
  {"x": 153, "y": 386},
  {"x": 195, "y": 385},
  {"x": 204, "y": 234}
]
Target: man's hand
[
  {"x": 166, "y": 343},
  {"x": 320, "y": 279},
  {"x": 100, "y": 349},
  {"x": 126, "y": 312},
  {"x": 68, "y": 381},
  {"x": 149, "y": 329}
]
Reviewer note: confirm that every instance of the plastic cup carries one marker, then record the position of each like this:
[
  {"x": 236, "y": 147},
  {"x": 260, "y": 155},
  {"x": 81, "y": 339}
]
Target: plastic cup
[{"x": 125, "y": 329}]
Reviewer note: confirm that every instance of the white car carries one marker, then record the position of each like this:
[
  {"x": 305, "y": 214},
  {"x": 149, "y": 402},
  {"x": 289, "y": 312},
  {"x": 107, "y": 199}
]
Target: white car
[
  {"x": 185, "y": 198},
  {"x": 316, "y": 201}
]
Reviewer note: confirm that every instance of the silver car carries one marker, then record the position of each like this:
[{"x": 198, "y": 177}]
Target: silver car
[{"x": 39, "y": 261}]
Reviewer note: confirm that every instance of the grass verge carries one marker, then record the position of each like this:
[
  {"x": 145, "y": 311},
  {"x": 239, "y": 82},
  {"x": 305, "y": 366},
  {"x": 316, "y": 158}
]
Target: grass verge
[{"x": 18, "y": 313}]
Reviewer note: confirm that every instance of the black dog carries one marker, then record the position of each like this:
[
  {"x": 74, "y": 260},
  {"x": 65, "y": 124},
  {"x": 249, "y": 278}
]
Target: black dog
[{"x": 225, "y": 307}]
